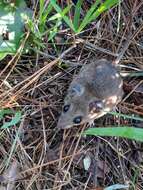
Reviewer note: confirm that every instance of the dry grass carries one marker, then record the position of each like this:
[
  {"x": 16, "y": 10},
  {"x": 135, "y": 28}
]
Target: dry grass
[{"x": 52, "y": 159}]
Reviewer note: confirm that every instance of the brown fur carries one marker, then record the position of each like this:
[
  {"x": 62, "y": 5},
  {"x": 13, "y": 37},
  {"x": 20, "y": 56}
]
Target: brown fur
[{"x": 97, "y": 81}]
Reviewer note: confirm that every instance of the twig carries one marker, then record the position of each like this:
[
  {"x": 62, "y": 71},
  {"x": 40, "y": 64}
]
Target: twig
[{"x": 94, "y": 47}]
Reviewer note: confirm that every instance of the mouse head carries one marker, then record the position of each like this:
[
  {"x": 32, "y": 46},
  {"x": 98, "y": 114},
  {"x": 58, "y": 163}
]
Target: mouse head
[{"x": 78, "y": 109}]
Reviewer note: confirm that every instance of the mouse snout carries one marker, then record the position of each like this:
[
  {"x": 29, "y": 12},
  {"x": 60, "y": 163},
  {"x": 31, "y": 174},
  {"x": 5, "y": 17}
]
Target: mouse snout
[{"x": 63, "y": 125}]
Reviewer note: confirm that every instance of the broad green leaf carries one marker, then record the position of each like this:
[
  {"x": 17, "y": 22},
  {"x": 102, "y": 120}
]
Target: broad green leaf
[
  {"x": 12, "y": 20},
  {"x": 124, "y": 131}
]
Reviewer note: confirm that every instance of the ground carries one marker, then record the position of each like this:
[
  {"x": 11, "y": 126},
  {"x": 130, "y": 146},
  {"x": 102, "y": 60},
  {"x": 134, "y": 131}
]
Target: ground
[{"x": 36, "y": 83}]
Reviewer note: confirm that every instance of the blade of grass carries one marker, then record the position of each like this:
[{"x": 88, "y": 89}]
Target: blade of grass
[
  {"x": 46, "y": 13},
  {"x": 124, "y": 131},
  {"x": 126, "y": 116},
  {"x": 58, "y": 18},
  {"x": 103, "y": 7},
  {"x": 66, "y": 19},
  {"x": 88, "y": 14},
  {"x": 58, "y": 15},
  {"x": 77, "y": 14},
  {"x": 41, "y": 8},
  {"x": 137, "y": 74},
  {"x": 54, "y": 30}
]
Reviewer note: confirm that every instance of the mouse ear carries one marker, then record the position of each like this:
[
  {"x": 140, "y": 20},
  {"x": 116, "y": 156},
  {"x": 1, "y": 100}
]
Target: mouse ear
[
  {"x": 96, "y": 106},
  {"x": 76, "y": 90}
]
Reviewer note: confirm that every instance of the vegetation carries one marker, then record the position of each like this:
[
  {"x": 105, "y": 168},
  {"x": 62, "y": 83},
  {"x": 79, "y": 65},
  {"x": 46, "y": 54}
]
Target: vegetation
[{"x": 43, "y": 43}]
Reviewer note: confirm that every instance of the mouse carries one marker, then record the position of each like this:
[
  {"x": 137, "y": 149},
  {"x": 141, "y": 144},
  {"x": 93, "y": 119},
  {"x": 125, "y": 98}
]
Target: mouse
[{"x": 95, "y": 91}]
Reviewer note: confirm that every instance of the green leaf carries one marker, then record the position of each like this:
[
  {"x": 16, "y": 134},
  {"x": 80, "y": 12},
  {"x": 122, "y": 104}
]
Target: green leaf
[
  {"x": 16, "y": 119},
  {"x": 41, "y": 8},
  {"x": 66, "y": 19},
  {"x": 88, "y": 14},
  {"x": 54, "y": 30},
  {"x": 92, "y": 14},
  {"x": 60, "y": 15},
  {"x": 103, "y": 7},
  {"x": 77, "y": 14},
  {"x": 12, "y": 20},
  {"x": 124, "y": 131},
  {"x": 2, "y": 55},
  {"x": 126, "y": 116},
  {"x": 136, "y": 74},
  {"x": 43, "y": 15}
]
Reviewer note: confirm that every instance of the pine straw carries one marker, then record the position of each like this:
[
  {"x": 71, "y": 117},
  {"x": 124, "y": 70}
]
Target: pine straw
[{"x": 49, "y": 158}]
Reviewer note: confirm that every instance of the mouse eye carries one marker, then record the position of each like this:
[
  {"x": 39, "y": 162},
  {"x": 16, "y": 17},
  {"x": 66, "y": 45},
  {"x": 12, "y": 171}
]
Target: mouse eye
[
  {"x": 96, "y": 106},
  {"x": 66, "y": 108},
  {"x": 77, "y": 120}
]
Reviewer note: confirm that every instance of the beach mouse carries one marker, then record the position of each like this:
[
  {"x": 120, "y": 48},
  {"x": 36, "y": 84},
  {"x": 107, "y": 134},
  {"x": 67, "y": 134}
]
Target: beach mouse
[{"x": 92, "y": 93}]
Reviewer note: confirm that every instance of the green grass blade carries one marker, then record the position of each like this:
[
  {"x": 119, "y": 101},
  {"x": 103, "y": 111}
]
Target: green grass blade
[
  {"x": 41, "y": 8},
  {"x": 136, "y": 74},
  {"x": 126, "y": 116},
  {"x": 88, "y": 14},
  {"x": 77, "y": 14},
  {"x": 65, "y": 18},
  {"x": 103, "y": 7},
  {"x": 126, "y": 132},
  {"x": 46, "y": 13},
  {"x": 60, "y": 15},
  {"x": 54, "y": 30}
]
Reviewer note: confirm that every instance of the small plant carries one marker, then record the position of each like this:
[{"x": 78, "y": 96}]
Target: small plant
[
  {"x": 49, "y": 23},
  {"x": 78, "y": 24},
  {"x": 13, "y": 15}
]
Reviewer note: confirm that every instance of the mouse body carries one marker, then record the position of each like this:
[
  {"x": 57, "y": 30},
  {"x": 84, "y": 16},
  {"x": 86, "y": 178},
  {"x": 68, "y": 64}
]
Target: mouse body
[{"x": 92, "y": 93}]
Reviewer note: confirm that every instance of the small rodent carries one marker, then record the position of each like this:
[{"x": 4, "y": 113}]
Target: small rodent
[{"x": 92, "y": 93}]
